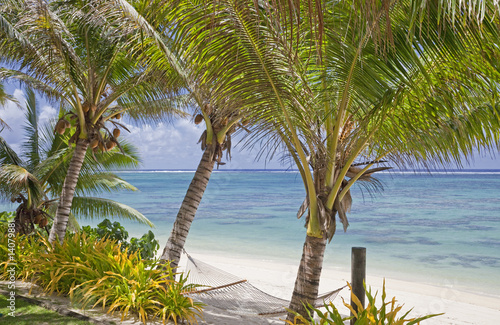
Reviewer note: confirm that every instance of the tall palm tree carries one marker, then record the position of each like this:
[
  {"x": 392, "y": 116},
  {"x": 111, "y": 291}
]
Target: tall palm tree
[
  {"x": 348, "y": 90},
  {"x": 159, "y": 43},
  {"x": 63, "y": 50},
  {"x": 34, "y": 178}
]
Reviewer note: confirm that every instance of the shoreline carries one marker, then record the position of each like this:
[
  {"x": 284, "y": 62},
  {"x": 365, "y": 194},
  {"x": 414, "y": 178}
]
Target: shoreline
[{"x": 277, "y": 278}]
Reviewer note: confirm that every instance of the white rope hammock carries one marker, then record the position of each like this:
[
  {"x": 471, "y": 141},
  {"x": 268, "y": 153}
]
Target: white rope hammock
[{"x": 231, "y": 293}]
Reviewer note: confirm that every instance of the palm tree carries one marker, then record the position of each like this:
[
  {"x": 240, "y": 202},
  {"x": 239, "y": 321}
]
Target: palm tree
[
  {"x": 34, "y": 179},
  {"x": 344, "y": 88},
  {"x": 65, "y": 52},
  {"x": 158, "y": 44}
]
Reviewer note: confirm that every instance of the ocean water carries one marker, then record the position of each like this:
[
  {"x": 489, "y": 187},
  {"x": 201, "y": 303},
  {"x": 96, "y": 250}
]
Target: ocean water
[{"x": 441, "y": 229}]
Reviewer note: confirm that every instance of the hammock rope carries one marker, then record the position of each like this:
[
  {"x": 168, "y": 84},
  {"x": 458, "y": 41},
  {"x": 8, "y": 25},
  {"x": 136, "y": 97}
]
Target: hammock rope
[{"x": 229, "y": 292}]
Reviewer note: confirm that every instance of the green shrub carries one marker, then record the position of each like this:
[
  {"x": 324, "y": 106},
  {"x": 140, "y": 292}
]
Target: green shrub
[
  {"x": 147, "y": 245},
  {"x": 387, "y": 314}
]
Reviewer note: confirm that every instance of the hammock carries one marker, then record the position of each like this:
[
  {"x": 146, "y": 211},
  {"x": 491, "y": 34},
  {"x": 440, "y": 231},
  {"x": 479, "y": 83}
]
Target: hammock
[{"x": 231, "y": 293}]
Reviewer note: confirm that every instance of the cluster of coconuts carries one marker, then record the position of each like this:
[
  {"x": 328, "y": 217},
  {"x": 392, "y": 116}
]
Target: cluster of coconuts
[
  {"x": 106, "y": 143},
  {"x": 14, "y": 199},
  {"x": 40, "y": 220},
  {"x": 62, "y": 125},
  {"x": 88, "y": 107}
]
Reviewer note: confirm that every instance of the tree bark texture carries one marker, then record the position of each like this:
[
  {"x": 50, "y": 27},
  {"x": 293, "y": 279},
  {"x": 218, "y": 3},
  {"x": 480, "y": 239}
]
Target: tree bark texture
[
  {"x": 308, "y": 276},
  {"x": 65, "y": 201},
  {"x": 185, "y": 216}
]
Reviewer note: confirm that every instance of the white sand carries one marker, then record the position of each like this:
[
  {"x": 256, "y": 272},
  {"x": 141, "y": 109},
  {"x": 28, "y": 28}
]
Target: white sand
[{"x": 277, "y": 278}]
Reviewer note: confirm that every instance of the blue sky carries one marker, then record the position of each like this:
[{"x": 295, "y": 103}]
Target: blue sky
[{"x": 168, "y": 146}]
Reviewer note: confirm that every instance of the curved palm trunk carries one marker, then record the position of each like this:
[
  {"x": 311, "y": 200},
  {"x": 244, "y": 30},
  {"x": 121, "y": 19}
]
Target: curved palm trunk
[
  {"x": 308, "y": 276},
  {"x": 61, "y": 220},
  {"x": 175, "y": 244}
]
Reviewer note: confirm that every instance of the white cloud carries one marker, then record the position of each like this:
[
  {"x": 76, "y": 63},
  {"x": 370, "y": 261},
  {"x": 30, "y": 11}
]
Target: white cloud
[
  {"x": 47, "y": 114},
  {"x": 13, "y": 115},
  {"x": 167, "y": 146},
  {"x": 175, "y": 146}
]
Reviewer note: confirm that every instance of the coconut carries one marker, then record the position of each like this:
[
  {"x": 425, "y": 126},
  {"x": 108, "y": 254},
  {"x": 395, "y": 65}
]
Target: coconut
[
  {"x": 245, "y": 122},
  {"x": 101, "y": 146},
  {"x": 61, "y": 127},
  {"x": 93, "y": 107},
  {"x": 85, "y": 107},
  {"x": 198, "y": 118},
  {"x": 19, "y": 200},
  {"x": 43, "y": 222},
  {"x": 12, "y": 199},
  {"x": 38, "y": 218},
  {"x": 225, "y": 121},
  {"x": 118, "y": 116},
  {"x": 67, "y": 124},
  {"x": 94, "y": 143},
  {"x": 110, "y": 144},
  {"x": 116, "y": 133}
]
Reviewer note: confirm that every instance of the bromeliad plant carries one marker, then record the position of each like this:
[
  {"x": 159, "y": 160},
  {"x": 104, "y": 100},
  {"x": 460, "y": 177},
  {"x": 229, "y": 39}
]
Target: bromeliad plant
[{"x": 387, "y": 314}]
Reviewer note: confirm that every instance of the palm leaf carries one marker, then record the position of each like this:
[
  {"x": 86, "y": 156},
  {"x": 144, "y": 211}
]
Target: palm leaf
[
  {"x": 8, "y": 155},
  {"x": 31, "y": 149},
  {"x": 16, "y": 180},
  {"x": 98, "y": 208}
]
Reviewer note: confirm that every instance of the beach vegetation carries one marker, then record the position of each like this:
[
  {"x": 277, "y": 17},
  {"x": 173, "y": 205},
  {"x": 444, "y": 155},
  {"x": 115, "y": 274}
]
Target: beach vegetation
[
  {"x": 99, "y": 274},
  {"x": 146, "y": 246},
  {"x": 389, "y": 313},
  {"x": 63, "y": 51},
  {"x": 34, "y": 178}
]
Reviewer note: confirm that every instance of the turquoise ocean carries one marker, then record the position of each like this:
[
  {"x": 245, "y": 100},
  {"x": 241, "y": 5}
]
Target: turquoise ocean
[{"x": 441, "y": 228}]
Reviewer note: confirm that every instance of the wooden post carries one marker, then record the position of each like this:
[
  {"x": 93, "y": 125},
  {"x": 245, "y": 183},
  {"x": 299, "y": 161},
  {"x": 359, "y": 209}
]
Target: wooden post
[{"x": 358, "y": 274}]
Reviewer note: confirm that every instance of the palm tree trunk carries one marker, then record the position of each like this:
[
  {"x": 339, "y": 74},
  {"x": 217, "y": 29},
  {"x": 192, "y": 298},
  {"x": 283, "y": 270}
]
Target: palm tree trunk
[
  {"x": 175, "y": 244},
  {"x": 63, "y": 209},
  {"x": 308, "y": 276}
]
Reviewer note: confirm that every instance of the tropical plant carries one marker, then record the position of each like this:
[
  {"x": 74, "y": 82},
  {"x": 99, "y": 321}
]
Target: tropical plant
[
  {"x": 156, "y": 43},
  {"x": 99, "y": 273},
  {"x": 146, "y": 246},
  {"x": 345, "y": 89},
  {"x": 387, "y": 314},
  {"x": 35, "y": 178},
  {"x": 64, "y": 51}
]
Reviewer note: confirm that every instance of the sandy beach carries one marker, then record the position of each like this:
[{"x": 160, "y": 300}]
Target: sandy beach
[
  {"x": 275, "y": 278},
  {"x": 460, "y": 308}
]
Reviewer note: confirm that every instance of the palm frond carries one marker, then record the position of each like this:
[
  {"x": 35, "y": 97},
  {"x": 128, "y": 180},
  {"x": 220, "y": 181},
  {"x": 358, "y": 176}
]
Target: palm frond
[
  {"x": 101, "y": 182},
  {"x": 99, "y": 208},
  {"x": 8, "y": 155},
  {"x": 16, "y": 180},
  {"x": 31, "y": 149}
]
